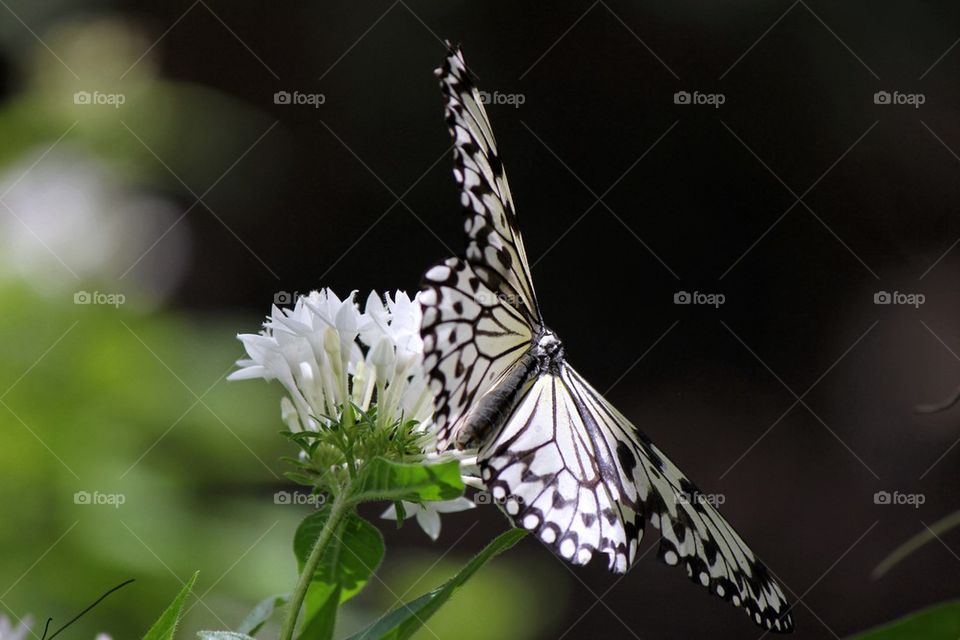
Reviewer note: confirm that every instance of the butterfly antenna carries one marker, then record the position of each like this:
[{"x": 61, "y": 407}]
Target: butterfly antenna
[
  {"x": 87, "y": 610},
  {"x": 46, "y": 628}
]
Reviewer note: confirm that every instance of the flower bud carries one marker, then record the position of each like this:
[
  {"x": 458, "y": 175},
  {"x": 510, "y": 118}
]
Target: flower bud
[
  {"x": 383, "y": 357},
  {"x": 331, "y": 344}
]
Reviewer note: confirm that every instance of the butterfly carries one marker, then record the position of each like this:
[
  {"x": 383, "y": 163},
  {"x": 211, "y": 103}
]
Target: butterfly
[{"x": 560, "y": 460}]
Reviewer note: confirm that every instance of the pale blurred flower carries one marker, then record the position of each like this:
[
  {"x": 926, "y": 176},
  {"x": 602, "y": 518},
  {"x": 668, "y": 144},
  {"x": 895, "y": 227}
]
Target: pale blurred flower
[
  {"x": 65, "y": 216},
  {"x": 9, "y": 632},
  {"x": 22, "y": 630}
]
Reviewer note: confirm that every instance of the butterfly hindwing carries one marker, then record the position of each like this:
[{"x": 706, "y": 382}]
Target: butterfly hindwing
[
  {"x": 544, "y": 470},
  {"x": 568, "y": 466},
  {"x": 471, "y": 337}
]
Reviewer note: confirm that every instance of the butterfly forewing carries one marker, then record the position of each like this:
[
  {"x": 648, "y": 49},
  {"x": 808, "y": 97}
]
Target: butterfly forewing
[{"x": 493, "y": 238}]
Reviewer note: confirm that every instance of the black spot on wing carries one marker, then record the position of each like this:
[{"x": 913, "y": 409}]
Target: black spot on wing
[{"x": 627, "y": 460}]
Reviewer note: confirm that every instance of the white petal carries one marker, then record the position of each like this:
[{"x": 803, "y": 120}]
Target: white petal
[
  {"x": 453, "y": 506},
  {"x": 429, "y": 521},
  {"x": 410, "y": 509},
  {"x": 390, "y": 513}
]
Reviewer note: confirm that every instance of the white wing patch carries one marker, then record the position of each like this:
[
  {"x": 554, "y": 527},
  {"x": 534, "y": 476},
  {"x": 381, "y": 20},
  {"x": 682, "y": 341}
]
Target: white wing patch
[{"x": 568, "y": 466}]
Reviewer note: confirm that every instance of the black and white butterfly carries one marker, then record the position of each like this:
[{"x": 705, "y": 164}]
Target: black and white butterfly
[{"x": 563, "y": 461}]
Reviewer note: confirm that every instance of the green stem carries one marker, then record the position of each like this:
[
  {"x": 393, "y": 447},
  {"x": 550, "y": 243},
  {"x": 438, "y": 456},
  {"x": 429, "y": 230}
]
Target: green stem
[{"x": 340, "y": 507}]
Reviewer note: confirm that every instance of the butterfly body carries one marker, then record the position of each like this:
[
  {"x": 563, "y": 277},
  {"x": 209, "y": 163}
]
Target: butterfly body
[
  {"x": 491, "y": 412},
  {"x": 561, "y": 460}
]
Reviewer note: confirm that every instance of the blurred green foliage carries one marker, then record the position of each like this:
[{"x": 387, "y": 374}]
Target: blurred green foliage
[
  {"x": 129, "y": 403},
  {"x": 939, "y": 622},
  {"x": 112, "y": 407}
]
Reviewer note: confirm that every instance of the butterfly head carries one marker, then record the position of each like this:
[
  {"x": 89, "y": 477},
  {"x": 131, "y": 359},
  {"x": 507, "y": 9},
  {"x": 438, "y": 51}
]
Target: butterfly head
[{"x": 549, "y": 347}]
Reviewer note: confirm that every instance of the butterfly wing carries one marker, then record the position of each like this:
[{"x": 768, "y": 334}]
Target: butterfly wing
[
  {"x": 493, "y": 237},
  {"x": 570, "y": 467},
  {"x": 480, "y": 312},
  {"x": 471, "y": 338}
]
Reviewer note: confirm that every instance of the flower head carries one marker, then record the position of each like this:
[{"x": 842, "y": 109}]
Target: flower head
[
  {"x": 327, "y": 353},
  {"x": 330, "y": 356}
]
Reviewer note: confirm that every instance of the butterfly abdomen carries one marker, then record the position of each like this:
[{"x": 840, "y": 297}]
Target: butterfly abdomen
[{"x": 493, "y": 409}]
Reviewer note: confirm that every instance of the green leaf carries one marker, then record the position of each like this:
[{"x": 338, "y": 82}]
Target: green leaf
[
  {"x": 320, "y": 625},
  {"x": 401, "y": 512},
  {"x": 260, "y": 614},
  {"x": 166, "y": 625},
  {"x": 939, "y": 622},
  {"x": 381, "y": 479},
  {"x": 351, "y": 557},
  {"x": 403, "y": 622},
  {"x": 222, "y": 635}
]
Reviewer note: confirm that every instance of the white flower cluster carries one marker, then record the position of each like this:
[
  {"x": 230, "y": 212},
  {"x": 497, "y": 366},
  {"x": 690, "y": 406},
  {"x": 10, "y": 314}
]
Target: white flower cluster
[{"x": 326, "y": 352}]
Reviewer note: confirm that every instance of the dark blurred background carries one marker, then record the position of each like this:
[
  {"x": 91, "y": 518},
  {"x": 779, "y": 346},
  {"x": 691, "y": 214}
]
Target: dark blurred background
[{"x": 201, "y": 200}]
